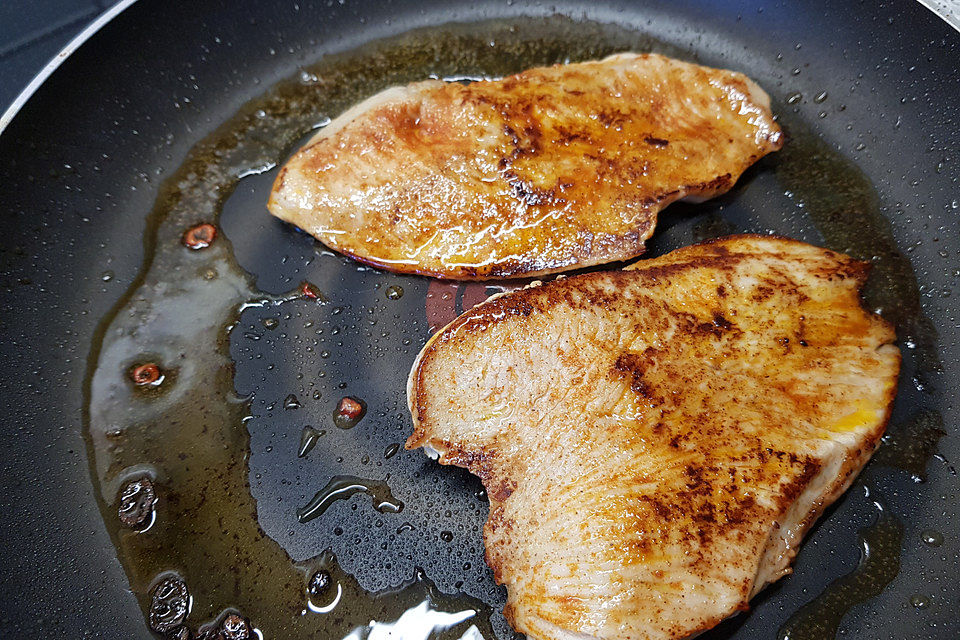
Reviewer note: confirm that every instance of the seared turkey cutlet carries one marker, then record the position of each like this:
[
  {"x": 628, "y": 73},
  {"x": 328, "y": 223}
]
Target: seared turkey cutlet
[
  {"x": 548, "y": 170},
  {"x": 655, "y": 442}
]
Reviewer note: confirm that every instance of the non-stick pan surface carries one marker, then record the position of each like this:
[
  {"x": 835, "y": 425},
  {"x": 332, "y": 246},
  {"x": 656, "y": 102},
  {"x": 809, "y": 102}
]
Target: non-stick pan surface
[{"x": 100, "y": 171}]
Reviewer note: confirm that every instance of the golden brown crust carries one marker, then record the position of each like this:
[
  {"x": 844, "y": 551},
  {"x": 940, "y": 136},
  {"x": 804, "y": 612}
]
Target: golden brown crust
[
  {"x": 544, "y": 171},
  {"x": 655, "y": 442}
]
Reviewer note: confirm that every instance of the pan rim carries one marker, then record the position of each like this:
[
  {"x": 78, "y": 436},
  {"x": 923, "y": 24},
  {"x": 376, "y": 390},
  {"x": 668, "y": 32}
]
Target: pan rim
[
  {"x": 946, "y": 10},
  {"x": 58, "y": 59},
  {"x": 943, "y": 11}
]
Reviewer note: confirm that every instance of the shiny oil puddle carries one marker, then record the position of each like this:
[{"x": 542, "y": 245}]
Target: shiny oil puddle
[{"x": 258, "y": 336}]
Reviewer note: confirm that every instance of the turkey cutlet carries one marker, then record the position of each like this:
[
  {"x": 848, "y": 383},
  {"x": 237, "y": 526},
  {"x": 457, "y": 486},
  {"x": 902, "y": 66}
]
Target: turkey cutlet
[
  {"x": 548, "y": 170},
  {"x": 655, "y": 442}
]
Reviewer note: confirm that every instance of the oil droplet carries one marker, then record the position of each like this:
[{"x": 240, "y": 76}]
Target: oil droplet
[
  {"x": 391, "y": 450},
  {"x": 919, "y": 601},
  {"x": 291, "y": 402},
  {"x": 308, "y": 439},
  {"x": 394, "y": 292},
  {"x": 932, "y": 537},
  {"x": 308, "y": 78},
  {"x": 341, "y": 488}
]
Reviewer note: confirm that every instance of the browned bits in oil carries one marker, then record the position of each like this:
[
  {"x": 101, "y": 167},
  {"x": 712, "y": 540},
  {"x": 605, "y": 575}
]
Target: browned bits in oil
[
  {"x": 146, "y": 375},
  {"x": 311, "y": 291},
  {"x": 350, "y": 408},
  {"x": 137, "y": 499},
  {"x": 168, "y": 605},
  {"x": 180, "y": 633},
  {"x": 200, "y": 236},
  {"x": 235, "y": 627},
  {"x": 319, "y": 583},
  {"x": 210, "y": 633},
  {"x": 349, "y": 412}
]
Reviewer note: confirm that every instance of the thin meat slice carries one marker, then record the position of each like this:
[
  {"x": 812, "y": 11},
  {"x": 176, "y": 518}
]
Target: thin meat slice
[
  {"x": 655, "y": 442},
  {"x": 548, "y": 170}
]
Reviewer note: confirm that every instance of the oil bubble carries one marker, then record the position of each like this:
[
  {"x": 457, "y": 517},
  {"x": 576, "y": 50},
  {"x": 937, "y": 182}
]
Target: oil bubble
[
  {"x": 919, "y": 601},
  {"x": 932, "y": 537},
  {"x": 394, "y": 292}
]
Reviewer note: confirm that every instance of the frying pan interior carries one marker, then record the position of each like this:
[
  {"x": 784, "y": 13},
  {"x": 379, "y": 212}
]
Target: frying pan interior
[{"x": 172, "y": 116}]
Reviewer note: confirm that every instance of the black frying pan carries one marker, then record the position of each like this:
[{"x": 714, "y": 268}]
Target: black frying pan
[{"x": 119, "y": 151}]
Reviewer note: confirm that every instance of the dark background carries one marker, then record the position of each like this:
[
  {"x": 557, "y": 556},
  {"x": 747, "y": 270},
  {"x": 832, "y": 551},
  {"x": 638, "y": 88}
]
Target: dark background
[{"x": 32, "y": 32}]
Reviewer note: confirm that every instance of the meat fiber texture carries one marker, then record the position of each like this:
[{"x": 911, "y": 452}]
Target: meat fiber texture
[
  {"x": 548, "y": 170},
  {"x": 656, "y": 441}
]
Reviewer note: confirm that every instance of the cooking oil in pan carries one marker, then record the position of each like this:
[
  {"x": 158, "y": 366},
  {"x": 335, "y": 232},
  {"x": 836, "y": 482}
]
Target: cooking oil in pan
[
  {"x": 341, "y": 488},
  {"x": 193, "y": 525},
  {"x": 879, "y": 564}
]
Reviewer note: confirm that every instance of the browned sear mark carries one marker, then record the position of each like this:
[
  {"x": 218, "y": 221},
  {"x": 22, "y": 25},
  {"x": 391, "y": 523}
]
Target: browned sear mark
[{"x": 199, "y": 237}]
